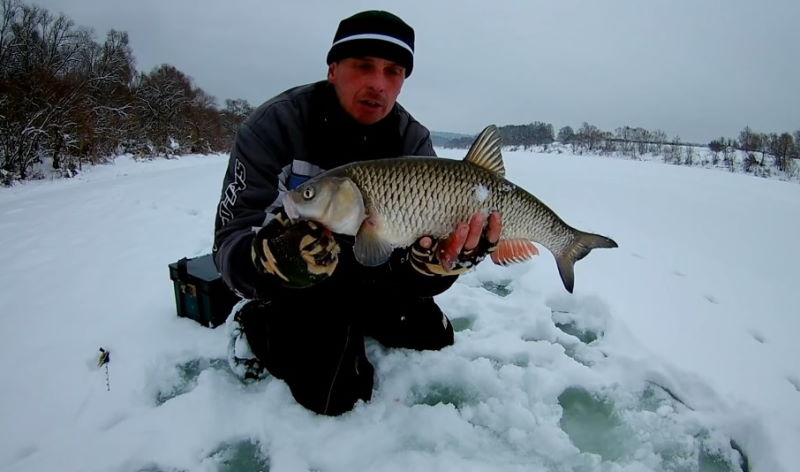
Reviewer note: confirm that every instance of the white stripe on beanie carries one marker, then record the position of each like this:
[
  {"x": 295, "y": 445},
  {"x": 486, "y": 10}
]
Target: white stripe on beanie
[{"x": 381, "y": 37}]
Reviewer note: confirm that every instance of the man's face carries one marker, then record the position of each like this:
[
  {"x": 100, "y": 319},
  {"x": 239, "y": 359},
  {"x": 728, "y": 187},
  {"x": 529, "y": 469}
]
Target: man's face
[{"x": 367, "y": 87}]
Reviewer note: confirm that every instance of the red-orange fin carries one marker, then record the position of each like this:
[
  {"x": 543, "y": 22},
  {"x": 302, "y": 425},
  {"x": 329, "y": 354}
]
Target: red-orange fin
[{"x": 512, "y": 251}]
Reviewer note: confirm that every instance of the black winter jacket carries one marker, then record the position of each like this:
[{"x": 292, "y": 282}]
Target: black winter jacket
[{"x": 290, "y": 138}]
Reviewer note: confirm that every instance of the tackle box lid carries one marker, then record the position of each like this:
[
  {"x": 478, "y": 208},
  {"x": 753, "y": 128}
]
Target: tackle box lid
[{"x": 200, "y": 268}]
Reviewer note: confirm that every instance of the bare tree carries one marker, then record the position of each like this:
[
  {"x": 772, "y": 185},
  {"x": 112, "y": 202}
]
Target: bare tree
[
  {"x": 625, "y": 136},
  {"x": 234, "y": 114},
  {"x": 109, "y": 123},
  {"x": 589, "y": 136},
  {"x": 728, "y": 155},
  {"x": 781, "y": 147},
  {"x": 566, "y": 135},
  {"x": 41, "y": 82},
  {"x": 796, "y": 153},
  {"x": 67, "y": 97},
  {"x": 749, "y": 140},
  {"x": 672, "y": 153},
  {"x": 659, "y": 137},
  {"x": 689, "y": 156},
  {"x": 163, "y": 96},
  {"x": 204, "y": 124}
]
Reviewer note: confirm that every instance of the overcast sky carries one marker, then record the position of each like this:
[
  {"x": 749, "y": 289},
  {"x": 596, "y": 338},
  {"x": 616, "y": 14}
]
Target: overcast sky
[{"x": 695, "y": 68}]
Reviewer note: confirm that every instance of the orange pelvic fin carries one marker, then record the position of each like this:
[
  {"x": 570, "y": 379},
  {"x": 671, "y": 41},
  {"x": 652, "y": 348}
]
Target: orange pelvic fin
[{"x": 512, "y": 251}]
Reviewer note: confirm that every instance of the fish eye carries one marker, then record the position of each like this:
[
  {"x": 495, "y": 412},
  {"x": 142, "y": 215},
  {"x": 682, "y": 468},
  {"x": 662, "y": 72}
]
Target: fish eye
[{"x": 308, "y": 193}]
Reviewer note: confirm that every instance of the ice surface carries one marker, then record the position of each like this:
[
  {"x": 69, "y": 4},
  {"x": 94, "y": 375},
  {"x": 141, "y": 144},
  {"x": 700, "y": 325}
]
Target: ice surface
[{"x": 676, "y": 352}]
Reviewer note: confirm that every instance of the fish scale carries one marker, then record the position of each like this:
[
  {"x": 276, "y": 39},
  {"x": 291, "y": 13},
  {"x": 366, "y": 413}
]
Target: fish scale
[
  {"x": 390, "y": 203},
  {"x": 429, "y": 196}
]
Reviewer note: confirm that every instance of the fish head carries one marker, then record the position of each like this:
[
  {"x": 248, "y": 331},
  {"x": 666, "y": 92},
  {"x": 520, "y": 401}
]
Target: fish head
[{"x": 334, "y": 202}]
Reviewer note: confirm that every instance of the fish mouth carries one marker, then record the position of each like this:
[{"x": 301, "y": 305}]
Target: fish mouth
[{"x": 290, "y": 208}]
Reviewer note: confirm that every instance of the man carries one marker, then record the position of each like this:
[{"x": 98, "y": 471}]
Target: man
[{"x": 309, "y": 304}]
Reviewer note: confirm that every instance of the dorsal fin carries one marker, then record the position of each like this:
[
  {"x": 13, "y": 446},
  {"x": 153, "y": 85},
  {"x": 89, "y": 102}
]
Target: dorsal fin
[{"x": 485, "y": 151}]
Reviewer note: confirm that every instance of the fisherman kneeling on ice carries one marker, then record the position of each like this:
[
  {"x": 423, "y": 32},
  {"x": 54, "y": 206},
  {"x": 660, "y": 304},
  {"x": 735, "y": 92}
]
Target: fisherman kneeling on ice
[{"x": 308, "y": 304}]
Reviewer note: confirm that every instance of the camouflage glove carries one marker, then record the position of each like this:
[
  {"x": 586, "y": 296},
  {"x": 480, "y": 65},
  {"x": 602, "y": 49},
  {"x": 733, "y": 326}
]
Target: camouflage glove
[
  {"x": 426, "y": 260},
  {"x": 299, "y": 254},
  {"x": 449, "y": 256}
]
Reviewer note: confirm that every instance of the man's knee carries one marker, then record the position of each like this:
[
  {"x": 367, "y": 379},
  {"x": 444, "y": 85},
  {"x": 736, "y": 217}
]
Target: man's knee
[
  {"x": 338, "y": 388},
  {"x": 417, "y": 323},
  {"x": 321, "y": 358}
]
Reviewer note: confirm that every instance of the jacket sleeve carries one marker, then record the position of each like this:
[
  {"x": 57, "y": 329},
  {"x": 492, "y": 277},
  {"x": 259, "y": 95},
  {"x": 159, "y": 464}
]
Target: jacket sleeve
[{"x": 251, "y": 193}]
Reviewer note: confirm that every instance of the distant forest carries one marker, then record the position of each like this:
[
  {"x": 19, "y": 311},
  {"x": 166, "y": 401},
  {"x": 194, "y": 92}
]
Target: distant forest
[
  {"x": 760, "y": 152},
  {"x": 70, "y": 100},
  {"x": 67, "y": 100}
]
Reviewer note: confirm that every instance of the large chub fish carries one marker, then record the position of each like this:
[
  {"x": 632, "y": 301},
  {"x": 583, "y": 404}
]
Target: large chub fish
[{"x": 390, "y": 203}]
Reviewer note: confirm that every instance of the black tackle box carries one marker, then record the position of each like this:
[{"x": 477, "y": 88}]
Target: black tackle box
[{"x": 200, "y": 292}]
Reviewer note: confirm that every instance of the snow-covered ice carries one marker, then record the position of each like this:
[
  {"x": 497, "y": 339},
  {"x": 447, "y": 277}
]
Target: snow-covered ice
[{"x": 677, "y": 350}]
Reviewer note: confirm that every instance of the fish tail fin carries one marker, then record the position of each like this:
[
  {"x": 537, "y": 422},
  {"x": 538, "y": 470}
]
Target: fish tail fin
[{"x": 580, "y": 247}]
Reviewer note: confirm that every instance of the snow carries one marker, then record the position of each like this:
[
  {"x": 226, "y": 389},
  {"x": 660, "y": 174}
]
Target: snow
[
  {"x": 482, "y": 193},
  {"x": 675, "y": 351}
]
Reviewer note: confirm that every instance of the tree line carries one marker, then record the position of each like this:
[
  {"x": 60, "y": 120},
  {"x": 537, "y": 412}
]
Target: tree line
[
  {"x": 68, "y": 99},
  {"x": 760, "y": 149},
  {"x": 65, "y": 96}
]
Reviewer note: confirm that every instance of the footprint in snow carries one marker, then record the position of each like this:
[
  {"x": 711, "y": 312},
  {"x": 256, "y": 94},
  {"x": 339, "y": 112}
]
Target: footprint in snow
[
  {"x": 757, "y": 336},
  {"x": 113, "y": 421},
  {"x": 23, "y": 453}
]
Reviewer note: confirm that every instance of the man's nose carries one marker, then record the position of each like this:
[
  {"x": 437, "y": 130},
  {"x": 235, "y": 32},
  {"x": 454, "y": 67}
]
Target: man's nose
[{"x": 377, "y": 81}]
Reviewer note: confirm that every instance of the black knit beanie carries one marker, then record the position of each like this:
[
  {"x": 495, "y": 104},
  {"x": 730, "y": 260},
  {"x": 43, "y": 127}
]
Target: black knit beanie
[{"x": 374, "y": 33}]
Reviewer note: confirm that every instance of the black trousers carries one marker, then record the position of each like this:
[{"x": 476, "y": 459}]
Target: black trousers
[{"x": 318, "y": 349}]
